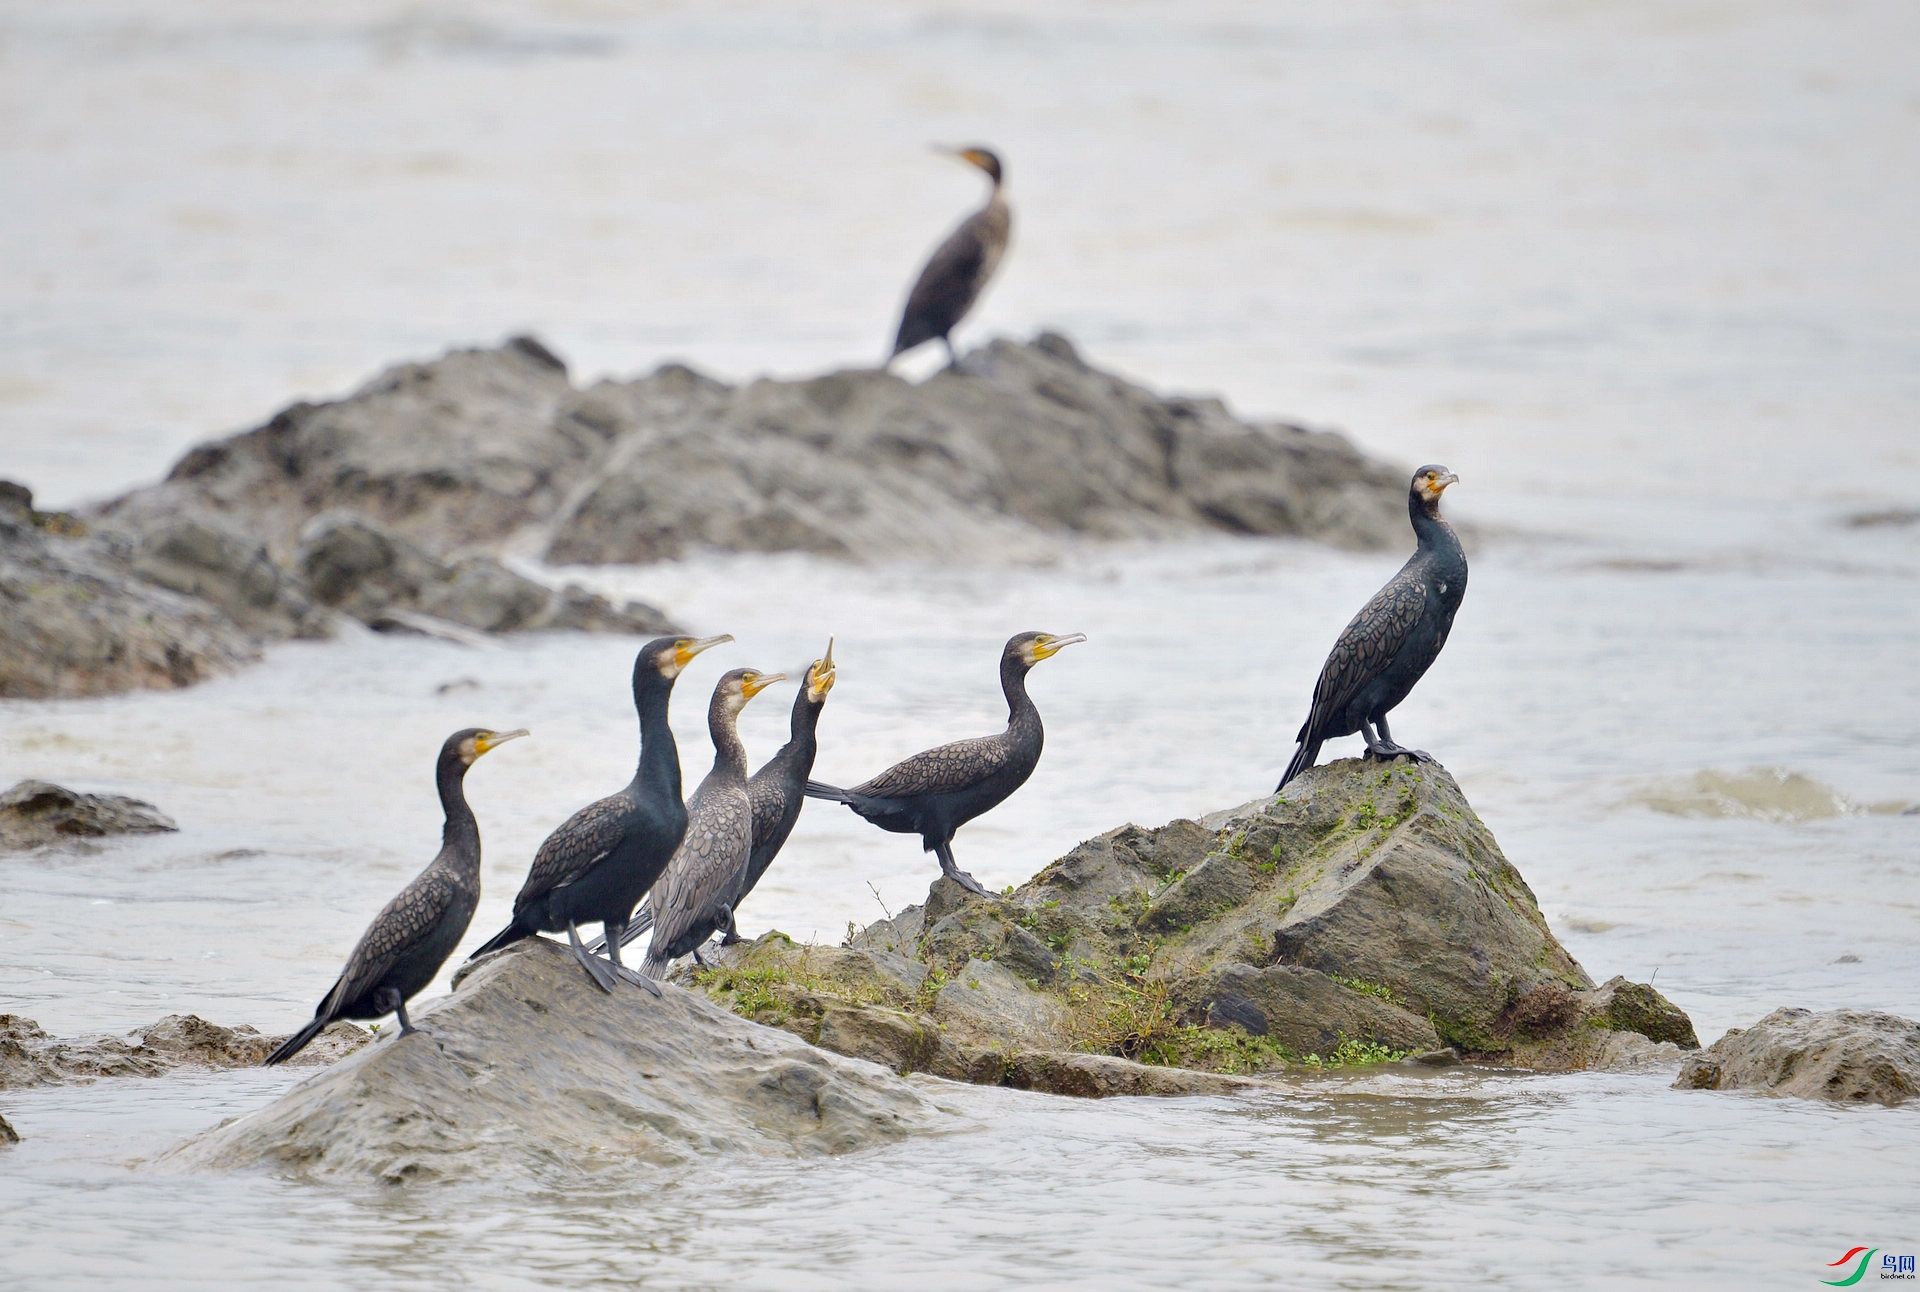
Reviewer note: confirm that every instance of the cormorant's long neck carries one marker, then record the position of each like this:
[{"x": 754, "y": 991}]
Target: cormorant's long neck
[
  {"x": 802, "y": 740},
  {"x": 1428, "y": 527},
  {"x": 460, "y": 837},
  {"x": 1021, "y": 714},
  {"x": 729, "y": 752},
  {"x": 659, "y": 757}
]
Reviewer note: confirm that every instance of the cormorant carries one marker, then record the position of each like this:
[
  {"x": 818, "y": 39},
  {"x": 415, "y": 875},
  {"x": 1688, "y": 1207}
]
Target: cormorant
[
  {"x": 1393, "y": 640},
  {"x": 414, "y": 934},
  {"x": 695, "y": 894},
  {"x": 935, "y": 793},
  {"x": 777, "y": 792},
  {"x": 601, "y": 862},
  {"x": 959, "y": 268}
]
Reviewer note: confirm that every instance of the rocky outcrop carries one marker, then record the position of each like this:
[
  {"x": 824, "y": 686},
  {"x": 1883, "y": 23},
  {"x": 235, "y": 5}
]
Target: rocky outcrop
[
  {"x": 8, "y": 1135},
  {"x": 527, "y": 1069},
  {"x": 76, "y": 620},
  {"x": 1842, "y": 1055},
  {"x": 30, "y": 1057},
  {"x": 35, "y": 813},
  {"x": 1022, "y": 446},
  {"x": 1364, "y": 914},
  {"x": 384, "y": 581}
]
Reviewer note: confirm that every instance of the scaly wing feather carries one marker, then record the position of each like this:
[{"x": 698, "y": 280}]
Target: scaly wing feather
[
  {"x": 1364, "y": 649},
  {"x": 941, "y": 770}
]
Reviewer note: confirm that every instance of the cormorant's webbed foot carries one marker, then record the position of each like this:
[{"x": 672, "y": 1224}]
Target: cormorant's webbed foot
[
  {"x": 616, "y": 938},
  {"x": 1387, "y": 753},
  {"x": 596, "y": 967},
  {"x": 963, "y": 879}
]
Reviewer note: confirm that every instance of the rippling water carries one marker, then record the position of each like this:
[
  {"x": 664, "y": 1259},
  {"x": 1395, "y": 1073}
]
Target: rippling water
[{"x": 1635, "y": 271}]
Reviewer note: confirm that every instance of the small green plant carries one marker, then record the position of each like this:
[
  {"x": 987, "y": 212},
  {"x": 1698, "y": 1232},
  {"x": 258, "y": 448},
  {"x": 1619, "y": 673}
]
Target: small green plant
[{"x": 1380, "y": 990}]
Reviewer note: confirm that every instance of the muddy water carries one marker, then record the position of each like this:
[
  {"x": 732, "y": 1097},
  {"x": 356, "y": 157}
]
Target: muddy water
[{"x": 1629, "y": 269}]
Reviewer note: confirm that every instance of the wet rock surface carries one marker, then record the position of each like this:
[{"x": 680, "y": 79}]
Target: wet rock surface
[
  {"x": 1841, "y": 1055},
  {"x": 36, "y": 813},
  {"x": 30, "y": 1057},
  {"x": 1365, "y": 914},
  {"x": 528, "y": 1068}
]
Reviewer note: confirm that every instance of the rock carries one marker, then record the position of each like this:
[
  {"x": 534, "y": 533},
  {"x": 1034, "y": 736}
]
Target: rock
[
  {"x": 230, "y": 572},
  {"x": 75, "y": 620},
  {"x": 34, "y": 813},
  {"x": 1366, "y": 914},
  {"x": 30, "y": 1057},
  {"x": 1022, "y": 446},
  {"x": 1842, "y": 1055},
  {"x": 355, "y": 566},
  {"x": 8, "y": 1135},
  {"x": 1101, "y": 1076},
  {"x": 529, "y": 1070}
]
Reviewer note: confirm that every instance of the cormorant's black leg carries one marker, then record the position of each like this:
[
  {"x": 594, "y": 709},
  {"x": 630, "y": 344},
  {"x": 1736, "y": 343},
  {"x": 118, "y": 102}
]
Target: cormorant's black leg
[
  {"x": 1389, "y": 748},
  {"x": 616, "y": 938},
  {"x": 944, "y": 851},
  {"x": 596, "y": 967},
  {"x": 732, "y": 934},
  {"x": 953, "y": 360},
  {"x": 406, "y": 1024}
]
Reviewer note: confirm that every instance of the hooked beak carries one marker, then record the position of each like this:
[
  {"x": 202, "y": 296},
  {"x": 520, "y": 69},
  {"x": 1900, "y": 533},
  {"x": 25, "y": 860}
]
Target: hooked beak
[
  {"x": 686, "y": 652},
  {"x": 1445, "y": 480},
  {"x": 820, "y": 676},
  {"x": 1054, "y": 645},
  {"x": 759, "y": 682},
  {"x": 494, "y": 739}
]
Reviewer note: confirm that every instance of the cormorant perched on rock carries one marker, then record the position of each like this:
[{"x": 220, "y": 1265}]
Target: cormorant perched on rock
[
  {"x": 414, "y": 934},
  {"x": 695, "y": 895},
  {"x": 602, "y": 861},
  {"x": 777, "y": 792},
  {"x": 959, "y": 268},
  {"x": 935, "y": 793},
  {"x": 1393, "y": 640}
]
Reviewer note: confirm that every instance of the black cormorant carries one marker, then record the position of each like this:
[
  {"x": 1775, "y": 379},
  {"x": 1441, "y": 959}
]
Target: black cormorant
[
  {"x": 959, "y": 268},
  {"x": 414, "y": 934},
  {"x": 695, "y": 894},
  {"x": 601, "y": 862},
  {"x": 1393, "y": 640},
  {"x": 935, "y": 793},
  {"x": 777, "y": 792}
]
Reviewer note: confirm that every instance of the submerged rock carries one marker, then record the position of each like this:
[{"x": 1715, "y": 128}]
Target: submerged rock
[
  {"x": 527, "y": 1068},
  {"x": 1842, "y": 1055},
  {"x": 35, "y": 813},
  {"x": 8, "y": 1135},
  {"x": 1364, "y": 914},
  {"x": 30, "y": 1057}
]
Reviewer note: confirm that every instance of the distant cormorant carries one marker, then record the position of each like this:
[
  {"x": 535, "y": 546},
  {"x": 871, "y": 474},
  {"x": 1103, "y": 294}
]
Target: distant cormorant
[
  {"x": 695, "y": 894},
  {"x": 959, "y": 268},
  {"x": 776, "y": 791},
  {"x": 414, "y": 934},
  {"x": 935, "y": 793},
  {"x": 602, "y": 861},
  {"x": 1393, "y": 640}
]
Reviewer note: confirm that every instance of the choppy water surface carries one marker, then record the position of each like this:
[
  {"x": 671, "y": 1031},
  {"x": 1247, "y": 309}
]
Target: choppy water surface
[{"x": 1632, "y": 270}]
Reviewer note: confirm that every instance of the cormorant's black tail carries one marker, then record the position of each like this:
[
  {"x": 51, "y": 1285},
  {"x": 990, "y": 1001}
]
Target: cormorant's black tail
[
  {"x": 298, "y": 1041},
  {"x": 833, "y": 793},
  {"x": 504, "y": 938},
  {"x": 1302, "y": 759}
]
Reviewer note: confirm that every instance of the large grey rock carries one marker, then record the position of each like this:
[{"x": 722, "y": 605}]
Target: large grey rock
[
  {"x": 1842, "y": 1055},
  {"x": 35, "y": 813},
  {"x": 30, "y": 1057},
  {"x": 1021, "y": 447},
  {"x": 234, "y": 574},
  {"x": 1365, "y": 913},
  {"x": 75, "y": 620},
  {"x": 528, "y": 1069},
  {"x": 381, "y": 579},
  {"x": 465, "y": 449}
]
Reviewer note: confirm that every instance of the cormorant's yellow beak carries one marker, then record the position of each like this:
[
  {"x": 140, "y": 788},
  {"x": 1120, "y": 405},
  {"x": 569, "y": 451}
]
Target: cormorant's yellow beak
[
  {"x": 488, "y": 740},
  {"x": 754, "y": 683},
  {"x": 687, "y": 648},
  {"x": 1441, "y": 482},
  {"x": 1047, "y": 647},
  {"x": 820, "y": 676}
]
